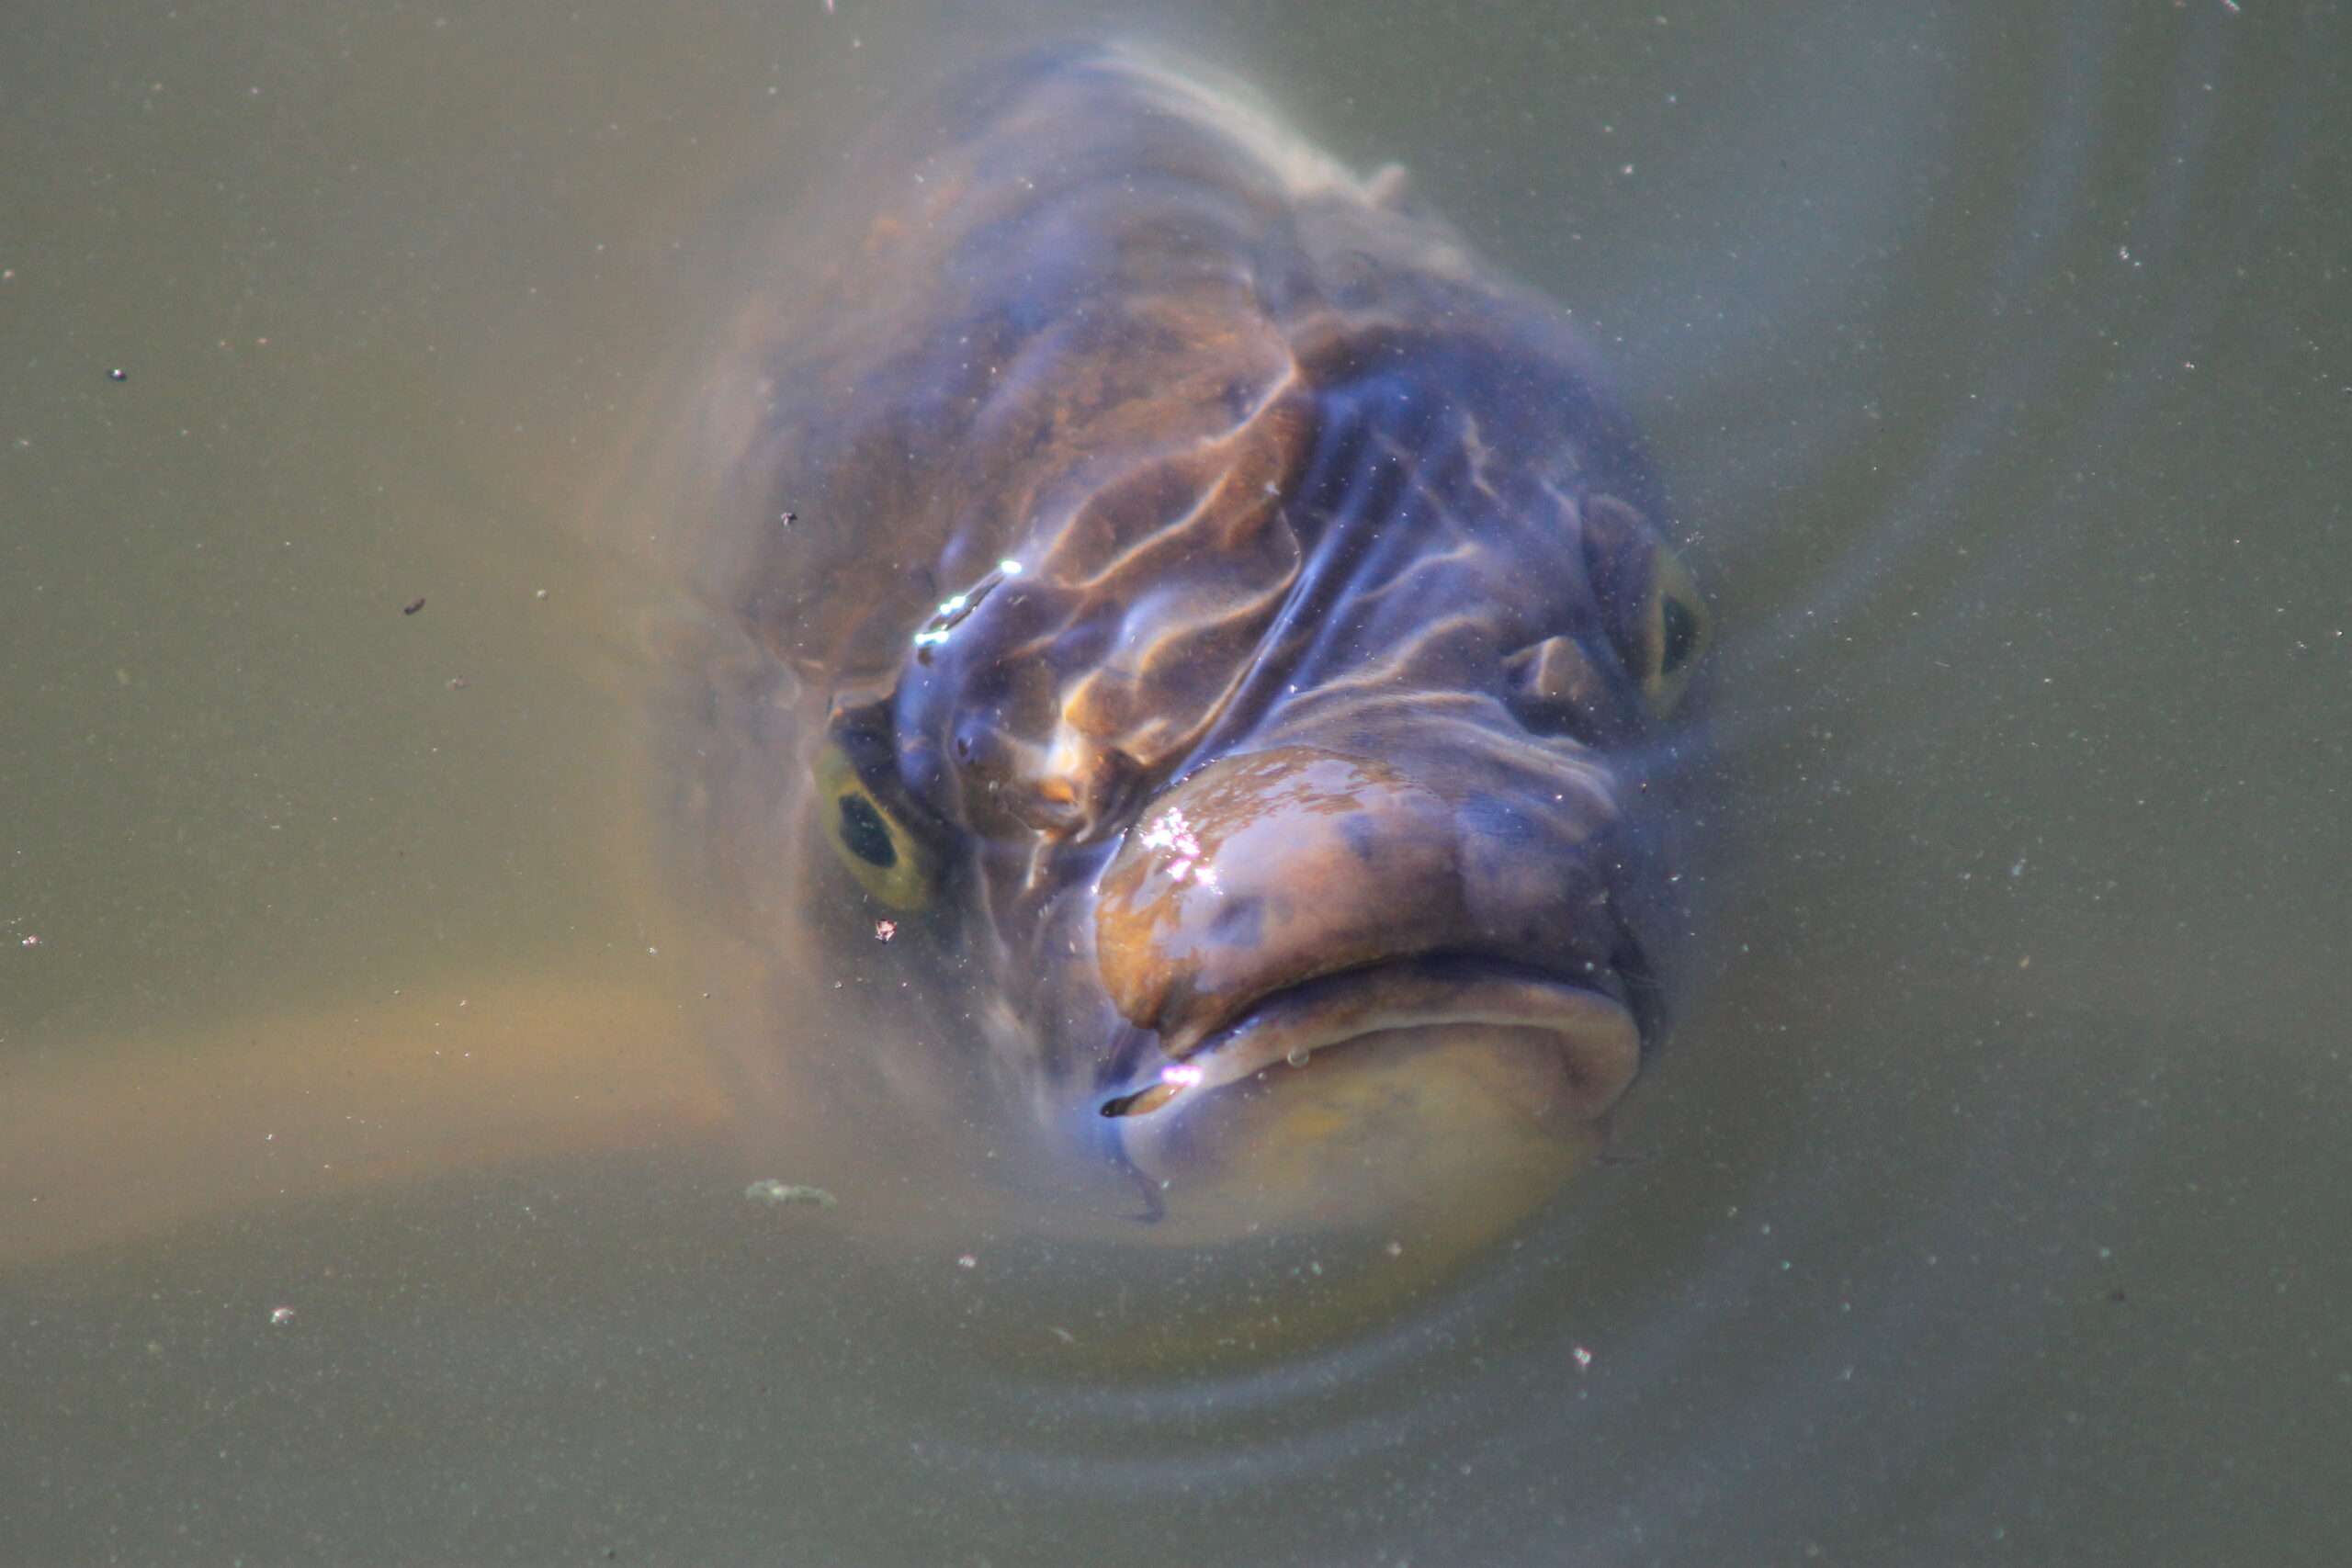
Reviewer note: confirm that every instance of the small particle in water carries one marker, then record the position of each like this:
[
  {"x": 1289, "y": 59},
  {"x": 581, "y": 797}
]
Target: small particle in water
[
  {"x": 31, "y": 941},
  {"x": 281, "y": 1317},
  {"x": 411, "y": 609},
  {"x": 787, "y": 518},
  {"x": 1297, "y": 1057},
  {"x": 968, "y": 1261},
  {"x": 456, "y": 682},
  {"x": 773, "y": 1192},
  {"x": 1064, "y": 1334},
  {"x": 118, "y": 374},
  {"x": 1395, "y": 1249},
  {"x": 1584, "y": 1358},
  {"x": 885, "y": 930},
  {"x": 540, "y": 594}
]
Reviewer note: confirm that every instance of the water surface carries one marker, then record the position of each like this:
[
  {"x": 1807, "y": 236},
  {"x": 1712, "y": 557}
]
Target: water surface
[{"x": 1985, "y": 1207}]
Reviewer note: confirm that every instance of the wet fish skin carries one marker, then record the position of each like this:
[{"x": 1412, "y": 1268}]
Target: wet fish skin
[{"x": 1151, "y": 466}]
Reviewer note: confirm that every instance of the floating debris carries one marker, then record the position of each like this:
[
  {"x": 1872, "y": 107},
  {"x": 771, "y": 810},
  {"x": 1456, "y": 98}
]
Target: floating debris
[
  {"x": 281, "y": 1317},
  {"x": 411, "y": 609},
  {"x": 885, "y": 930},
  {"x": 456, "y": 682},
  {"x": 773, "y": 1192},
  {"x": 118, "y": 374}
]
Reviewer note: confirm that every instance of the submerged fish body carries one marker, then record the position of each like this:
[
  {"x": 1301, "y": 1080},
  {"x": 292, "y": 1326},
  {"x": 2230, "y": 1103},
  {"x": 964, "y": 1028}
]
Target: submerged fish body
[{"x": 1225, "y": 631}]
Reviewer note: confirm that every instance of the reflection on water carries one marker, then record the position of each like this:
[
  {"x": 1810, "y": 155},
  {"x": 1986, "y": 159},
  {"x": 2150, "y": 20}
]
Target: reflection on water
[{"x": 1981, "y": 1206}]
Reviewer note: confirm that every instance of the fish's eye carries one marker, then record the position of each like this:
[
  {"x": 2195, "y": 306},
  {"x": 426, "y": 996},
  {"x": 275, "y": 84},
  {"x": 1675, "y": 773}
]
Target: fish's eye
[
  {"x": 1656, "y": 622},
  {"x": 885, "y": 856},
  {"x": 1673, "y": 632}
]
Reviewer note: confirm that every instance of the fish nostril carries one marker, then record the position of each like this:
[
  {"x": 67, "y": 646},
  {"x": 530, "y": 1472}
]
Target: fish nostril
[
  {"x": 1557, "y": 688},
  {"x": 985, "y": 755}
]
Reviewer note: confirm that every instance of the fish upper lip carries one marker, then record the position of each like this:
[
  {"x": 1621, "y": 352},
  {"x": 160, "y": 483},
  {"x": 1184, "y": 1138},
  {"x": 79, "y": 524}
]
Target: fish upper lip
[{"x": 1334, "y": 1008}]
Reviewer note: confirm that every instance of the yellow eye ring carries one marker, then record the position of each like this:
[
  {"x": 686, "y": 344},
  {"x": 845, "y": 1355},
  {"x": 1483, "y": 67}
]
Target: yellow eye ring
[
  {"x": 890, "y": 862},
  {"x": 1656, "y": 622},
  {"x": 1674, "y": 631}
]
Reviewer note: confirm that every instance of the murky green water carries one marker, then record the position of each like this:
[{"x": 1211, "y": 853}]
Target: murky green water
[{"x": 1989, "y": 1206}]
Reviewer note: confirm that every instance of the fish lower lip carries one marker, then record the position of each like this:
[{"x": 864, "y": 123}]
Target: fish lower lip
[{"x": 1598, "y": 1044}]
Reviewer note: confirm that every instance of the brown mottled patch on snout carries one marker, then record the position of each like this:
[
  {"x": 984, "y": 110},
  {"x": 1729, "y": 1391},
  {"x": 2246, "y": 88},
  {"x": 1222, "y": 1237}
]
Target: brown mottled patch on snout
[{"x": 1338, "y": 861}]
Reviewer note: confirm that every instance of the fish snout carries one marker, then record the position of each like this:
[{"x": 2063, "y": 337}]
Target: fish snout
[{"x": 1374, "y": 995}]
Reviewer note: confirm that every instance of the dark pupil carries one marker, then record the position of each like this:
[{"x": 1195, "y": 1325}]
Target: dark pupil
[
  {"x": 1681, "y": 628},
  {"x": 864, "y": 833}
]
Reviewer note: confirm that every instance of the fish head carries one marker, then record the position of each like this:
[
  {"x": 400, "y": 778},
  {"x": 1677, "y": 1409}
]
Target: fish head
[
  {"x": 1289, "y": 798},
  {"x": 1232, "y": 636}
]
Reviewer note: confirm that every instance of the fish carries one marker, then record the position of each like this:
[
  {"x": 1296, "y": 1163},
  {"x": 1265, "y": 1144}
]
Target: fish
[
  {"x": 1167, "y": 729},
  {"x": 1227, "y": 636}
]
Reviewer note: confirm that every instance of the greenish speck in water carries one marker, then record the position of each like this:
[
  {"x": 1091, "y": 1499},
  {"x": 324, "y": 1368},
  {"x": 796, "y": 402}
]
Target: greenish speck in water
[{"x": 774, "y": 1191}]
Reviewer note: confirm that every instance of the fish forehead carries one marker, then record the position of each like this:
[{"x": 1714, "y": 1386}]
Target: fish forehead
[
  {"x": 1083, "y": 262},
  {"x": 1046, "y": 286},
  {"x": 1109, "y": 324}
]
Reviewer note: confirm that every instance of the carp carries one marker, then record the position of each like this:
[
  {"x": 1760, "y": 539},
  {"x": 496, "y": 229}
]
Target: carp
[{"x": 1223, "y": 629}]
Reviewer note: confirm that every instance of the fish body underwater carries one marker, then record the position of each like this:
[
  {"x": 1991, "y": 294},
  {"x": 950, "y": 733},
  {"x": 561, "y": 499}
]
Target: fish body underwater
[{"x": 1214, "y": 639}]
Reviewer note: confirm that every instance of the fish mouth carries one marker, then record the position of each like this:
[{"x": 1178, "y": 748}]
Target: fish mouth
[
  {"x": 1598, "y": 1043},
  {"x": 1423, "y": 1087}
]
